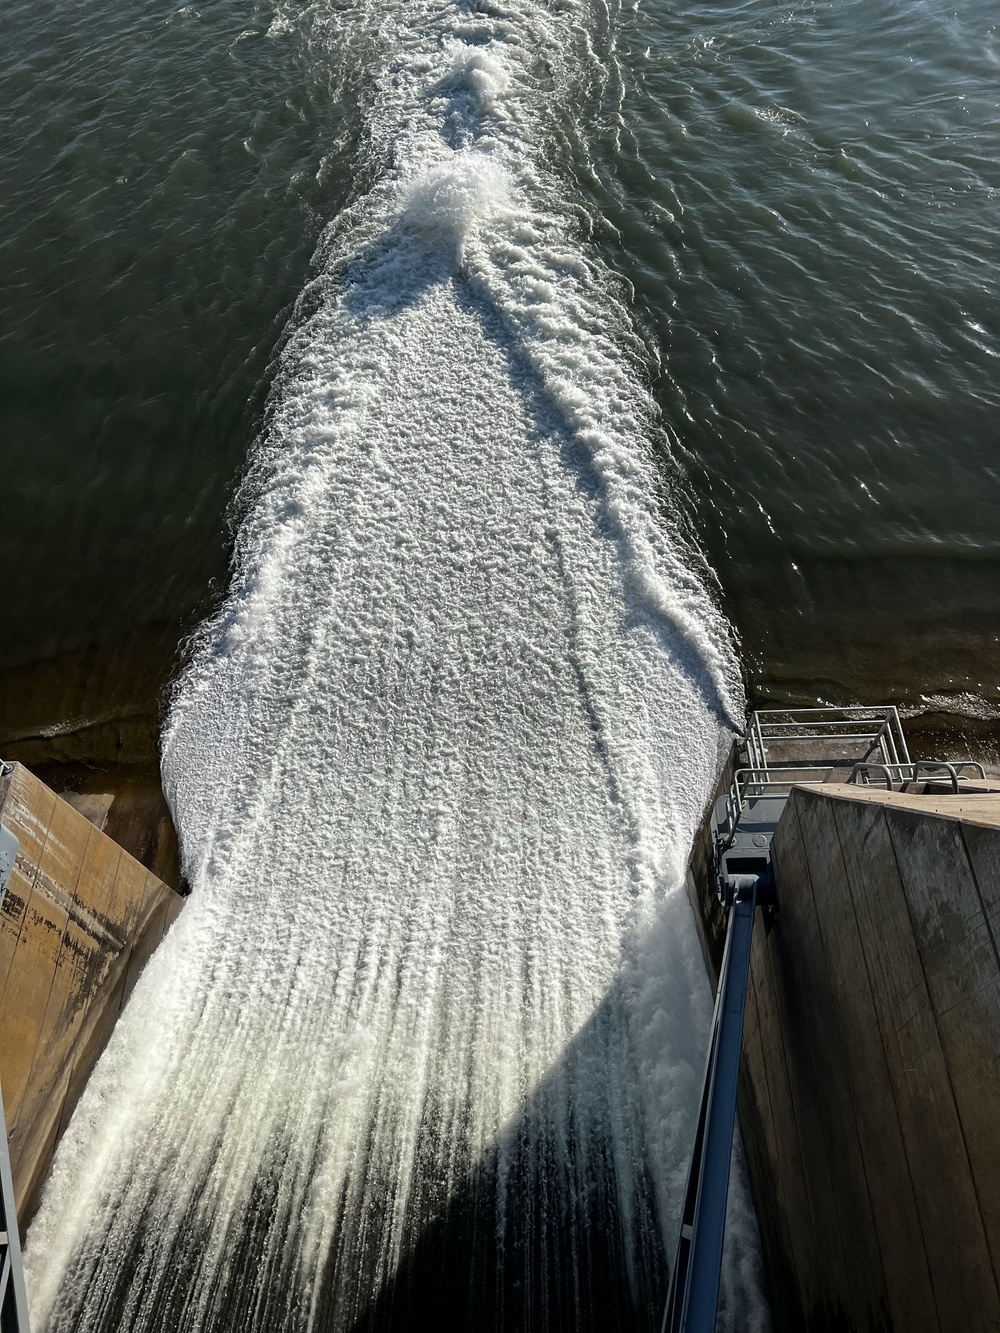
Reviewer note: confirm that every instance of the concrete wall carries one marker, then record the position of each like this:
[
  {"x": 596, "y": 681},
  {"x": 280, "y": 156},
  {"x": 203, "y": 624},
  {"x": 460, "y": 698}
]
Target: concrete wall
[
  {"x": 78, "y": 923},
  {"x": 710, "y": 916},
  {"x": 870, "y": 1091}
]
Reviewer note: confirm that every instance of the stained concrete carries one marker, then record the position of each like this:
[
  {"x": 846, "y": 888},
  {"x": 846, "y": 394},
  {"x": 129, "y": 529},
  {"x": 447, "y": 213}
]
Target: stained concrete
[
  {"x": 79, "y": 920},
  {"x": 870, "y": 1087}
]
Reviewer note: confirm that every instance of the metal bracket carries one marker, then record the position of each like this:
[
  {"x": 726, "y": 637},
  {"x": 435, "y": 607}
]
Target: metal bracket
[{"x": 8, "y": 855}]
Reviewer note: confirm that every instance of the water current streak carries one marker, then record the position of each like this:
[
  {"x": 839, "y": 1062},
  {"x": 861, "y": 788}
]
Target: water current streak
[{"x": 435, "y": 766}]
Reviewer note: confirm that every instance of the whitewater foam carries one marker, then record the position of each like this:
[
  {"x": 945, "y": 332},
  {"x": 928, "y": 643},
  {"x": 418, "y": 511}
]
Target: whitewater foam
[{"x": 426, "y": 1038}]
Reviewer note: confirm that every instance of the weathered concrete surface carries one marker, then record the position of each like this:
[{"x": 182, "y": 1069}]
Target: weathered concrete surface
[
  {"x": 709, "y": 914},
  {"x": 125, "y": 801},
  {"x": 870, "y": 1090},
  {"x": 79, "y": 921}
]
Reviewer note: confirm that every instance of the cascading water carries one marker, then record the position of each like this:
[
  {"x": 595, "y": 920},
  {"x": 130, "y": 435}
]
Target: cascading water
[{"x": 424, "y": 1043}]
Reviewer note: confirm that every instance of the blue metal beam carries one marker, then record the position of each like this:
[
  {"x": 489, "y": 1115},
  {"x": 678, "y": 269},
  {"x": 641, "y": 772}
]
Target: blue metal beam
[{"x": 694, "y": 1282}]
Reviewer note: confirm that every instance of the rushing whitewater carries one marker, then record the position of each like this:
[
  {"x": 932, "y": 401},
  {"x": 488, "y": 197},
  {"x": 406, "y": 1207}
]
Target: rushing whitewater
[{"x": 423, "y": 1045}]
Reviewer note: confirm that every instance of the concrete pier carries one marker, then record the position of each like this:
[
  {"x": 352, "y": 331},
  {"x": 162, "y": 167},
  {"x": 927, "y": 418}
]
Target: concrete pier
[
  {"x": 870, "y": 1083},
  {"x": 79, "y": 921}
]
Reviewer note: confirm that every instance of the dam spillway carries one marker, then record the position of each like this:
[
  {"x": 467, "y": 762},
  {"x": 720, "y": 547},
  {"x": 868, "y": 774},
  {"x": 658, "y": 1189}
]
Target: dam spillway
[
  {"x": 424, "y": 1041},
  {"x": 418, "y": 843},
  {"x": 873, "y": 962},
  {"x": 810, "y": 314}
]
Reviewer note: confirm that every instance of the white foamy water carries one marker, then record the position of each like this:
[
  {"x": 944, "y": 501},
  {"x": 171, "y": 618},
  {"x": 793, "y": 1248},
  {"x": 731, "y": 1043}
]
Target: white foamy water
[{"x": 425, "y": 1043}]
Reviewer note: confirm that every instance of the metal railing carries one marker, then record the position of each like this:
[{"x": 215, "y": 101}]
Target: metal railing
[
  {"x": 882, "y": 737},
  {"x": 833, "y": 739},
  {"x": 13, "y": 1299},
  {"x": 858, "y": 742},
  {"x": 907, "y": 774}
]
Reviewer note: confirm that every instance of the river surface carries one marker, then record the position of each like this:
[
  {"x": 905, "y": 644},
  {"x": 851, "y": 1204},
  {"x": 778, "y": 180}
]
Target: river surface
[
  {"x": 491, "y": 392},
  {"x": 800, "y": 199}
]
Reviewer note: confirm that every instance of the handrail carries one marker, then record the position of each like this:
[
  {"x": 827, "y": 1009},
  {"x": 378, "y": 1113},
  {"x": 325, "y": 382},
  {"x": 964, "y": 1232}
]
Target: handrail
[
  {"x": 880, "y": 749},
  {"x": 836, "y": 735},
  {"x": 779, "y": 776},
  {"x": 914, "y": 769},
  {"x": 798, "y": 725},
  {"x": 953, "y": 768},
  {"x": 694, "y": 1280},
  {"x": 858, "y": 769},
  {"x": 876, "y": 709},
  {"x": 807, "y": 729},
  {"x": 13, "y": 1298},
  {"x": 933, "y": 765}
]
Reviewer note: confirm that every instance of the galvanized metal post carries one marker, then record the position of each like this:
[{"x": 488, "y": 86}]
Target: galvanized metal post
[
  {"x": 8, "y": 856},
  {"x": 13, "y": 1298}
]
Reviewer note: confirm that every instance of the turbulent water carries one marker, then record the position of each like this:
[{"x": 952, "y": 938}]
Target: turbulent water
[
  {"x": 424, "y": 1043},
  {"x": 800, "y": 195}
]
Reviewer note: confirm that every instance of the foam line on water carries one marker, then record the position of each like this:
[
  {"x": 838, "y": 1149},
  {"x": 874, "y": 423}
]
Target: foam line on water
[{"x": 436, "y": 1003}]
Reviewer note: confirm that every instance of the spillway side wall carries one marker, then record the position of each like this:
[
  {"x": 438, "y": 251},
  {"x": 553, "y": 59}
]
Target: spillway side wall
[
  {"x": 78, "y": 923},
  {"x": 871, "y": 1080},
  {"x": 708, "y": 911}
]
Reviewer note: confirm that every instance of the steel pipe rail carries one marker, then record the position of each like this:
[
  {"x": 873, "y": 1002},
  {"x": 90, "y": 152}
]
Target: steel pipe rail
[
  {"x": 694, "y": 1282},
  {"x": 13, "y": 1298}
]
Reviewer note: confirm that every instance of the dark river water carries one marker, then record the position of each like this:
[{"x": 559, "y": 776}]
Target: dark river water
[{"x": 800, "y": 199}]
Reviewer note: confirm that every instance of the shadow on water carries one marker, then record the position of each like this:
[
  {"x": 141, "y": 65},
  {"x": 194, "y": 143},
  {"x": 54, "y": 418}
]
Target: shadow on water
[{"x": 555, "y": 1228}]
